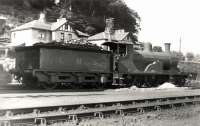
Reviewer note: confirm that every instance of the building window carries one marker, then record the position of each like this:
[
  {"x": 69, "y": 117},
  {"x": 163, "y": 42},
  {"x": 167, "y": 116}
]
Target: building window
[
  {"x": 62, "y": 36},
  {"x": 41, "y": 35},
  {"x": 123, "y": 50},
  {"x": 66, "y": 27},
  {"x": 70, "y": 37},
  {"x": 2, "y": 53}
]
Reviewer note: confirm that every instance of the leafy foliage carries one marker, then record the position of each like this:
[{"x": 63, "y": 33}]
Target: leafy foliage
[
  {"x": 86, "y": 15},
  {"x": 91, "y": 14},
  {"x": 180, "y": 55},
  {"x": 197, "y": 58},
  {"x": 157, "y": 49},
  {"x": 189, "y": 56},
  {"x": 36, "y": 4}
]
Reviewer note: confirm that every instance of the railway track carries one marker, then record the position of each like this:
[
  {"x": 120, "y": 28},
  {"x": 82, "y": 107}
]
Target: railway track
[
  {"x": 74, "y": 113},
  {"x": 20, "y": 90}
]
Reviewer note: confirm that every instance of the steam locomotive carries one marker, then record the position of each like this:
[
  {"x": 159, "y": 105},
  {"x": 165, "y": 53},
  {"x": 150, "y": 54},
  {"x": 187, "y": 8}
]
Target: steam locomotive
[{"x": 77, "y": 66}]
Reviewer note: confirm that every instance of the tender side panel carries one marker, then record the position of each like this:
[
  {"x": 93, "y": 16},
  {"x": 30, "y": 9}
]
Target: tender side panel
[
  {"x": 27, "y": 59},
  {"x": 74, "y": 60}
]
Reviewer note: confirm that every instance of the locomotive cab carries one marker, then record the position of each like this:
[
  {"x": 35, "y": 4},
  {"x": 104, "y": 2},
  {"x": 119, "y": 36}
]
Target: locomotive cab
[{"x": 120, "y": 50}]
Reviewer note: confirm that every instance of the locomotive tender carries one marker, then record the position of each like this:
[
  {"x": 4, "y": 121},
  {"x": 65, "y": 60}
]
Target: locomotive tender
[
  {"x": 52, "y": 66},
  {"x": 49, "y": 66}
]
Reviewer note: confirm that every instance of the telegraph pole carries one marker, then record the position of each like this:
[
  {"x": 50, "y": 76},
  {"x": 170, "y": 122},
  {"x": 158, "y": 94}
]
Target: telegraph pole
[
  {"x": 180, "y": 42},
  {"x": 70, "y": 5}
]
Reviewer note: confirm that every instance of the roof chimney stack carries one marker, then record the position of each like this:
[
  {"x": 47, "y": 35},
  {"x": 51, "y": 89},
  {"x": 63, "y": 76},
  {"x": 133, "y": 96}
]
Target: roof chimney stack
[
  {"x": 109, "y": 29},
  {"x": 109, "y": 25},
  {"x": 42, "y": 17}
]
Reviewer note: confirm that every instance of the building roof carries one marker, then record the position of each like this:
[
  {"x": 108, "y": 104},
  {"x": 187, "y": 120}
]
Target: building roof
[
  {"x": 81, "y": 33},
  {"x": 38, "y": 24},
  {"x": 118, "y": 35},
  {"x": 57, "y": 24},
  {"x": 34, "y": 24}
]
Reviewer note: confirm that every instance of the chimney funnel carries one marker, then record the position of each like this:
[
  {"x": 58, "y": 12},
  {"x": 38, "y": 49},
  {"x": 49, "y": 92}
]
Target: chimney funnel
[
  {"x": 167, "y": 47},
  {"x": 148, "y": 47}
]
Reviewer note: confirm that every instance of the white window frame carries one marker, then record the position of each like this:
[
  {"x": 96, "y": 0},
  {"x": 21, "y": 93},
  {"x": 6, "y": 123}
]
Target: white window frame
[
  {"x": 62, "y": 36},
  {"x": 42, "y": 35}
]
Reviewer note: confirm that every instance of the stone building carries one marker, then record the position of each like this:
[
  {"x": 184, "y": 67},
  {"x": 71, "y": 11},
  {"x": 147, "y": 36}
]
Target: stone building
[
  {"x": 42, "y": 31},
  {"x": 112, "y": 35},
  {"x": 4, "y": 38}
]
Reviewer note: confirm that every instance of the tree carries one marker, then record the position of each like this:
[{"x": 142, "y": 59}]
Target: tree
[
  {"x": 197, "y": 58},
  {"x": 157, "y": 49},
  {"x": 86, "y": 15},
  {"x": 179, "y": 55},
  {"x": 94, "y": 13},
  {"x": 90, "y": 29},
  {"x": 189, "y": 56},
  {"x": 31, "y": 4}
]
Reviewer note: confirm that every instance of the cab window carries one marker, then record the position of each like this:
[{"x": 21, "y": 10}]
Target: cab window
[{"x": 122, "y": 50}]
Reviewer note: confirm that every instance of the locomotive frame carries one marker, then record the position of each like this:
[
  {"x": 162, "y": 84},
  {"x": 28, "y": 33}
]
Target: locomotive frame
[{"x": 71, "y": 67}]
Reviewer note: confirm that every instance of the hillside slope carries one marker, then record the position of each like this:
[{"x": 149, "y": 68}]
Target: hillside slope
[{"x": 86, "y": 15}]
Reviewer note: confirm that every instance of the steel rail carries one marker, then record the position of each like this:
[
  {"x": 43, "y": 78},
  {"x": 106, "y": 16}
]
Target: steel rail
[{"x": 73, "y": 112}]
